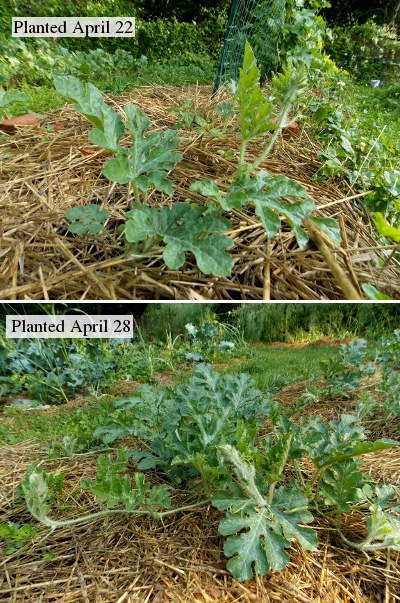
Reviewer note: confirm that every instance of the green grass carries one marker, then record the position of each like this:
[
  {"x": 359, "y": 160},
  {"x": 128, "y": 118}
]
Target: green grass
[
  {"x": 49, "y": 430},
  {"x": 176, "y": 72},
  {"x": 275, "y": 368},
  {"x": 41, "y": 99},
  {"x": 373, "y": 110},
  {"x": 367, "y": 117}
]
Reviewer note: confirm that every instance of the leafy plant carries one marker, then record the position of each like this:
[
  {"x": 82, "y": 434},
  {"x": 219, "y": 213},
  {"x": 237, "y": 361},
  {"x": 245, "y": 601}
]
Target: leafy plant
[
  {"x": 7, "y": 99},
  {"x": 108, "y": 486},
  {"x": 146, "y": 162},
  {"x": 88, "y": 219},
  {"x": 16, "y": 536},
  {"x": 344, "y": 375},
  {"x": 188, "y": 115},
  {"x": 54, "y": 482},
  {"x": 264, "y": 190},
  {"x": 51, "y": 369},
  {"x": 390, "y": 385},
  {"x": 303, "y": 38},
  {"x": 204, "y": 340},
  {"x": 211, "y": 426}
]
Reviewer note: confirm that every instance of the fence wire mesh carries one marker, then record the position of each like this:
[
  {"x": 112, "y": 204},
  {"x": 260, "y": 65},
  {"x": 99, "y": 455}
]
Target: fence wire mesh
[{"x": 258, "y": 21}]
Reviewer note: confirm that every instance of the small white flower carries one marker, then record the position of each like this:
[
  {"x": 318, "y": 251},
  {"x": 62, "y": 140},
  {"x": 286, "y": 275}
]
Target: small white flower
[{"x": 341, "y": 84}]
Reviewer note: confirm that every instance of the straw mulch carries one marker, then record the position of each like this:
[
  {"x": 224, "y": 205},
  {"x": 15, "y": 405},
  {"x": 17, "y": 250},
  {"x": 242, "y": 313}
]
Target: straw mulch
[
  {"x": 48, "y": 174},
  {"x": 130, "y": 559}
]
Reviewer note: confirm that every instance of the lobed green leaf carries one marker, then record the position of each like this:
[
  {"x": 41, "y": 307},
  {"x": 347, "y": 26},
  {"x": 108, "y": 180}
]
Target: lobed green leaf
[
  {"x": 192, "y": 233},
  {"x": 255, "y": 111}
]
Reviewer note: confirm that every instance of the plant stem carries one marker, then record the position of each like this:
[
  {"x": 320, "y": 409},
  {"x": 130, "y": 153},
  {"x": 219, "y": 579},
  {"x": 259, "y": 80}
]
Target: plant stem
[
  {"x": 136, "y": 191},
  {"x": 316, "y": 476},
  {"x": 359, "y": 546},
  {"x": 205, "y": 484},
  {"x": 226, "y": 122},
  {"x": 144, "y": 444},
  {"x": 51, "y": 523},
  {"x": 298, "y": 473},
  {"x": 280, "y": 124},
  {"x": 149, "y": 243},
  {"x": 241, "y": 156},
  {"x": 359, "y": 172},
  {"x": 110, "y": 236},
  {"x": 58, "y": 389}
]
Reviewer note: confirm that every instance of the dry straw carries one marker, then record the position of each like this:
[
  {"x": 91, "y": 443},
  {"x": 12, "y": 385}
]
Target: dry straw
[{"x": 48, "y": 174}]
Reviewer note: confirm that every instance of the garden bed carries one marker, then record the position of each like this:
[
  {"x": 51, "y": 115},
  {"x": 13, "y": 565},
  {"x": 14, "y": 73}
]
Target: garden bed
[
  {"x": 46, "y": 173},
  {"x": 135, "y": 559}
]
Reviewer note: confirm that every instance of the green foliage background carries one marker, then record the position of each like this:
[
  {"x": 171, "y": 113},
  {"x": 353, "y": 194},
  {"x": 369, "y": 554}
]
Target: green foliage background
[
  {"x": 161, "y": 38},
  {"x": 281, "y": 322}
]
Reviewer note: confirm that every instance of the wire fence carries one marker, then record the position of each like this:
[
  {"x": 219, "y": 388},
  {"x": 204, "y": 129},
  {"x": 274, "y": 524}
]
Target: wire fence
[{"x": 258, "y": 21}]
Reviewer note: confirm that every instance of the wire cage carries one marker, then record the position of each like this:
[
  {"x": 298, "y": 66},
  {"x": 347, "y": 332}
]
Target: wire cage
[{"x": 258, "y": 21}]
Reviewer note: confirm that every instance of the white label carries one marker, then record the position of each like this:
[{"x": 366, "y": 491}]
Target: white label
[
  {"x": 71, "y": 325},
  {"x": 73, "y": 27}
]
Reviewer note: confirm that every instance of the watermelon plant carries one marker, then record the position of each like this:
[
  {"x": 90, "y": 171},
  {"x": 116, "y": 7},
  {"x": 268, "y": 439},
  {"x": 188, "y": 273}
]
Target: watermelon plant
[
  {"x": 267, "y": 192},
  {"x": 344, "y": 375},
  {"x": 209, "y": 430},
  {"x": 147, "y": 159}
]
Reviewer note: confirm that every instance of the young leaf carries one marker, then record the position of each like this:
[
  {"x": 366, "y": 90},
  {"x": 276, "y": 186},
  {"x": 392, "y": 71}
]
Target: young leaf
[
  {"x": 158, "y": 496},
  {"x": 36, "y": 495},
  {"x": 235, "y": 502},
  {"x": 275, "y": 458},
  {"x": 8, "y": 98},
  {"x": 329, "y": 226},
  {"x": 384, "y": 229},
  {"x": 380, "y": 495},
  {"x": 354, "y": 450},
  {"x": 150, "y": 155},
  {"x": 208, "y": 188},
  {"x": 86, "y": 219},
  {"x": 112, "y": 131},
  {"x": 194, "y": 357},
  {"x": 88, "y": 99},
  {"x": 256, "y": 112},
  {"x": 225, "y": 109},
  {"x": 192, "y": 233},
  {"x": 341, "y": 484},
  {"x": 110, "y": 491},
  {"x": 289, "y": 85},
  {"x": 372, "y": 293},
  {"x": 381, "y": 527},
  {"x": 245, "y": 473},
  {"x": 110, "y": 433},
  {"x": 118, "y": 169}
]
